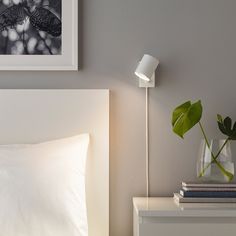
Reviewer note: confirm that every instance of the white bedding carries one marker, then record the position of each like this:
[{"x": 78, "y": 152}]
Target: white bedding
[{"x": 42, "y": 188}]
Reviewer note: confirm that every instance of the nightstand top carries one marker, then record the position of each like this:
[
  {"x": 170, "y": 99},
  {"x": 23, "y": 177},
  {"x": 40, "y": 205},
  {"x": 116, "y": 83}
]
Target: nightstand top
[{"x": 167, "y": 207}]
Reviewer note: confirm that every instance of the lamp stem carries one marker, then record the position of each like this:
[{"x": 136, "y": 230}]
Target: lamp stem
[{"x": 147, "y": 143}]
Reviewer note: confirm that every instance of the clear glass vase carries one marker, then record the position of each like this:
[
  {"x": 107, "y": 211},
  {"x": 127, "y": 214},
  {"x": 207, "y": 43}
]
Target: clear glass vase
[{"x": 215, "y": 162}]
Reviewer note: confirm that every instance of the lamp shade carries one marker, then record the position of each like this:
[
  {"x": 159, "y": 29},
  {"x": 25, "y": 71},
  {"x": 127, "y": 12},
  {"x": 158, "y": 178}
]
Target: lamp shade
[{"x": 146, "y": 67}]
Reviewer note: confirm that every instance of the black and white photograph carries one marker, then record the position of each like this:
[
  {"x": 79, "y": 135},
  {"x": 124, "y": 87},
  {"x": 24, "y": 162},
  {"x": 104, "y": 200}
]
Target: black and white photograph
[{"x": 30, "y": 27}]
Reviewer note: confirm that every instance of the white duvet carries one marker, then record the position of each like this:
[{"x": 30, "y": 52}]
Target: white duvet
[{"x": 42, "y": 188}]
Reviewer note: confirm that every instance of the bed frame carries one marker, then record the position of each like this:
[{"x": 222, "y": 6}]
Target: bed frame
[{"x": 31, "y": 116}]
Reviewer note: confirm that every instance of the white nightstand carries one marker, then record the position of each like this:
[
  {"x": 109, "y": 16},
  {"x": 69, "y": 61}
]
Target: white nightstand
[{"x": 163, "y": 217}]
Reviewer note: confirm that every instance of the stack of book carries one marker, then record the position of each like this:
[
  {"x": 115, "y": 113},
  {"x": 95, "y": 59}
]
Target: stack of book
[{"x": 206, "y": 193}]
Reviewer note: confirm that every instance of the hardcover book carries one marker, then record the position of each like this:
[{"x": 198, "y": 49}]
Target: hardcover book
[
  {"x": 207, "y": 185},
  {"x": 209, "y": 194},
  {"x": 204, "y": 189},
  {"x": 180, "y": 199}
]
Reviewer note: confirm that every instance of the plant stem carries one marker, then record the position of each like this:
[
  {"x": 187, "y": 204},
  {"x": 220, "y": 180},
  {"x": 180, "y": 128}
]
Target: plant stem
[
  {"x": 44, "y": 41},
  {"x": 24, "y": 41},
  {"x": 6, "y": 43},
  {"x": 206, "y": 140},
  {"x": 226, "y": 141},
  {"x": 214, "y": 158}
]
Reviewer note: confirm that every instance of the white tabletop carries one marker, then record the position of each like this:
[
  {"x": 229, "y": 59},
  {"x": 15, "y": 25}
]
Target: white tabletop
[{"x": 167, "y": 207}]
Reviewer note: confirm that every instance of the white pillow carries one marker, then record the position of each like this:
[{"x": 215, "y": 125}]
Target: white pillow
[{"x": 42, "y": 188}]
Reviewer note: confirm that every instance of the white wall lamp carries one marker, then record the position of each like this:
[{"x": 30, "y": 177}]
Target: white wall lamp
[{"x": 145, "y": 71}]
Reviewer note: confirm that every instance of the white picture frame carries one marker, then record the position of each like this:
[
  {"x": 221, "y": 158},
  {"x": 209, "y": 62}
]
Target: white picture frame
[{"x": 66, "y": 61}]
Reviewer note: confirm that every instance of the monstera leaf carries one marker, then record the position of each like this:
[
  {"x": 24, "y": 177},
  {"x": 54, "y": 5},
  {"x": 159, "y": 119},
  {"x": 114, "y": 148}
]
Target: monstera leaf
[
  {"x": 185, "y": 116},
  {"x": 225, "y": 126}
]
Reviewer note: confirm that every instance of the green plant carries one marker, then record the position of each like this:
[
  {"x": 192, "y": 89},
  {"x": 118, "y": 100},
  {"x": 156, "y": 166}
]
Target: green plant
[{"x": 187, "y": 115}]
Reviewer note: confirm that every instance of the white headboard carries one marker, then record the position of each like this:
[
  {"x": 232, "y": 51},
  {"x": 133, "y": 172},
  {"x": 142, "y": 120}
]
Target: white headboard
[{"x": 31, "y": 116}]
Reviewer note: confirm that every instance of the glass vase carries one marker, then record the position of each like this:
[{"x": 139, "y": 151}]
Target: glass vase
[{"x": 215, "y": 162}]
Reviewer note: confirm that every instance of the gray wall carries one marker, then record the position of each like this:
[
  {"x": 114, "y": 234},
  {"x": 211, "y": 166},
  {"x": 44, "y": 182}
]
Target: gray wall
[{"x": 195, "y": 41}]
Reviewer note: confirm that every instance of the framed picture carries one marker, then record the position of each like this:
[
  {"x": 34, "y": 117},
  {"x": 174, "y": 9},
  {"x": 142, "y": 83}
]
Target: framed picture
[{"x": 38, "y": 34}]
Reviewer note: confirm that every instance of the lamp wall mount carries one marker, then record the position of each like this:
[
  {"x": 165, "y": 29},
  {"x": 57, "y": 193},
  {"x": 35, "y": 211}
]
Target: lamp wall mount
[{"x": 147, "y": 84}]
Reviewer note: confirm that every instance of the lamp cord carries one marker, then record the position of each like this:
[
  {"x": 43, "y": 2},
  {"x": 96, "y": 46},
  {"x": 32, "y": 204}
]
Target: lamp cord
[{"x": 147, "y": 143}]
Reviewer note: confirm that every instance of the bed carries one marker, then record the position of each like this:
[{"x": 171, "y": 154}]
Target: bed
[{"x": 31, "y": 116}]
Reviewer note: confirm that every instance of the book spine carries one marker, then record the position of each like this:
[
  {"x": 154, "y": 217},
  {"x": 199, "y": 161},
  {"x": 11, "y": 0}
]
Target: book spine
[
  {"x": 209, "y": 185},
  {"x": 208, "y": 194},
  {"x": 206, "y": 189}
]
